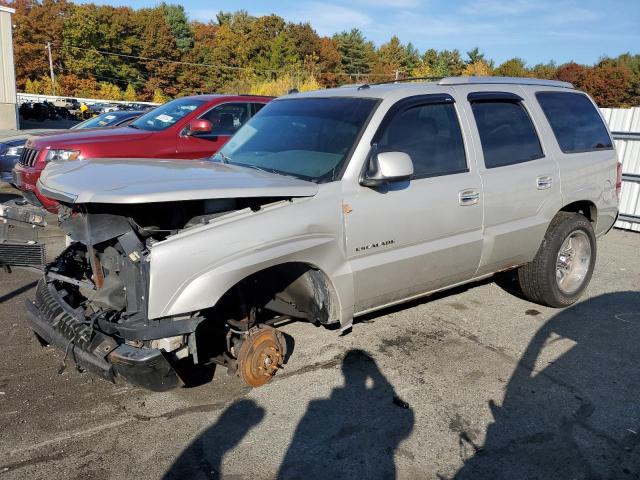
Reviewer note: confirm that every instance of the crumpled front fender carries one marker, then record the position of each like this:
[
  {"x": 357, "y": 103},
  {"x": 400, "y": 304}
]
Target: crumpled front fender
[{"x": 194, "y": 269}]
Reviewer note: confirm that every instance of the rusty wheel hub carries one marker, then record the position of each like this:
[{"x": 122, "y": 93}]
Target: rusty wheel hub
[{"x": 261, "y": 355}]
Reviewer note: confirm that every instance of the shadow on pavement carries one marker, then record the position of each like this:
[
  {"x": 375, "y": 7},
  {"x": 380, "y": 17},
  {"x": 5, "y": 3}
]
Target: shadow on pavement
[
  {"x": 353, "y": 433},
  {"x": 572, "y": 410},
  {"x": 203, "y": 457},
  {"x": 17, "y": 291}
]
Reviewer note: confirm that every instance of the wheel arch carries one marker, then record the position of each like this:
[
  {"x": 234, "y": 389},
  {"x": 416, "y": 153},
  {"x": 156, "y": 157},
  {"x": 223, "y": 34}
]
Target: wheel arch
[
  {"x": 303, "y": 286},
  {"x": 583, "y": 207}
]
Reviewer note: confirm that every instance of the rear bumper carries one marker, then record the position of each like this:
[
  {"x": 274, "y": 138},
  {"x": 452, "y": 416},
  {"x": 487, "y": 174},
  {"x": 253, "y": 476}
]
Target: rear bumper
[{"x": 58, "y": 324}]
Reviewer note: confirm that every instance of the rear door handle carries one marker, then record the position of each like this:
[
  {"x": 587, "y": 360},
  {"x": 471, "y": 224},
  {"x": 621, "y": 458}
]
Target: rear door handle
[
  {"x": 543, "y": 182},
  {"x": 468, "y": 197}
]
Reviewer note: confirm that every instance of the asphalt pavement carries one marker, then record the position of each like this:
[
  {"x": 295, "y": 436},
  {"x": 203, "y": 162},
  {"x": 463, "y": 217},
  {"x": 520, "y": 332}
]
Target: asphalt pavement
[{"x": 475, "y": 383}]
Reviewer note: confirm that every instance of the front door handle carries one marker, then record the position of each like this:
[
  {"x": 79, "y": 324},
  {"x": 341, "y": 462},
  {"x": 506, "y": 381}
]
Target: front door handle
[
  {"x": 543, "y": 182},
  {"x": 468, "y": 197}
]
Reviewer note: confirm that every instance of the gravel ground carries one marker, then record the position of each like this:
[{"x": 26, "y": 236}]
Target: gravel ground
[{"x": 486, "y": 385}]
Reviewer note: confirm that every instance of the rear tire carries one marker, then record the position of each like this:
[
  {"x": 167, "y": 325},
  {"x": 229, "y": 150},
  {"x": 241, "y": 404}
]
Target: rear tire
[{"x": 562, "y": 268}]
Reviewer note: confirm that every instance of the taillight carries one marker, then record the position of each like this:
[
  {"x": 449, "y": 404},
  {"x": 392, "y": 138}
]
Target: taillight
[{"x": 619, "y": 180}]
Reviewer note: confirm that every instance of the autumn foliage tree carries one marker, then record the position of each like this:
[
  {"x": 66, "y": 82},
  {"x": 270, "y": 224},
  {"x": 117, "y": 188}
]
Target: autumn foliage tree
[{"x": 157, "y": 53}]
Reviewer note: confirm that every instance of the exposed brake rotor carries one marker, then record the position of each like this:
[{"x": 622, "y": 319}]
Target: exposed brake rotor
[{"x": 261, "y": 355}]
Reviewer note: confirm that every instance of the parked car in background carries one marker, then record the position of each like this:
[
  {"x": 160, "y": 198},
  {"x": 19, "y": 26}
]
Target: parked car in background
[
  {"x": 11, "y": 147},
  {"x": 185, "y": 128},
  {"x": 326, "y": 205}
]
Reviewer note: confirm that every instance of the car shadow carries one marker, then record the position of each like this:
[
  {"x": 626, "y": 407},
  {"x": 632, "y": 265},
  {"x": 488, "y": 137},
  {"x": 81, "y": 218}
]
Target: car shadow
[
  {"x": 571, "y": 408},
  {"x": 353, "y": 433}
]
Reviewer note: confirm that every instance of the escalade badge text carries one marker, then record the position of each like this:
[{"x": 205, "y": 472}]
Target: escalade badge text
[{"x": 375, "y": 245}]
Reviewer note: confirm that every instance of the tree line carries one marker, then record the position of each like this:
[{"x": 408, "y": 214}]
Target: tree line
[{"x": 158, "y": 53}]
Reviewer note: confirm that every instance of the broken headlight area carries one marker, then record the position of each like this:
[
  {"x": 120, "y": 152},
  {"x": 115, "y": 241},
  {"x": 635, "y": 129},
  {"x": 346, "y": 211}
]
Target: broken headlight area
[{"x": 92, "y": 302}]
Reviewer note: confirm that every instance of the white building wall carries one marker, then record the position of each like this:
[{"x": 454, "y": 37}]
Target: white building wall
[{"x": 8, "y": 108}]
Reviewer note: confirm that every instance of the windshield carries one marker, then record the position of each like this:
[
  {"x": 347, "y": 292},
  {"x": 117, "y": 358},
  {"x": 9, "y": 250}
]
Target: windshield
[
  {"x": 104, "y": 120},
  {"x": 166, "y": 115},
  {"x": 309, "y": 138}
]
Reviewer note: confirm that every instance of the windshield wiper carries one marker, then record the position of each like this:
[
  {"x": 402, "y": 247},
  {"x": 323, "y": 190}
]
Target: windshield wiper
[
  {"x": 223, "y": 157},
  {"x": 133, "y": 126}
]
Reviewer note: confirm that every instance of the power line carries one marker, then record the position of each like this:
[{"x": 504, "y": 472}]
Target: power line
[
  {"x": 162, "y": 60},
  {"x": 223, "y": 67}
]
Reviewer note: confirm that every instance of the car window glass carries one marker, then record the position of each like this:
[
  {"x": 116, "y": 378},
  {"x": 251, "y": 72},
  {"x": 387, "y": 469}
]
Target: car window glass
[
  {"x": 166, "y": 115},
  {"x": 228, "y": 117},
  {"x": 506, "y": 133},
  {"x": 257, "y": 107},
  {"x": 430, "y": 135},
  {"x": 575, "y": 121},
  {"x": 309, "y": 138}
]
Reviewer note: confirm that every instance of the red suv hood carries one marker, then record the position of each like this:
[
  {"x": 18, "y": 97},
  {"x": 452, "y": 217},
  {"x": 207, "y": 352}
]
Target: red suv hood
[{"x": 90, "y": 135}]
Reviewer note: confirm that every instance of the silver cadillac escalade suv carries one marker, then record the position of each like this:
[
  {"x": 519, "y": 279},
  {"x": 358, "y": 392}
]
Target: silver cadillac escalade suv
[{"x": 324, "y": 206}]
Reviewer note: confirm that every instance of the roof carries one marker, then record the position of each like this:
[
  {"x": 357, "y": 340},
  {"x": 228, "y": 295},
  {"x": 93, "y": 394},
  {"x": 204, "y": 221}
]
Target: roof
[
  {"x": 407, "y": 87},
  {"x": 7, "y": 9}
]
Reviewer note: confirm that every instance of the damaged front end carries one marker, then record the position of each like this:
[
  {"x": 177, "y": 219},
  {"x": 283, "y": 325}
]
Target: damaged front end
[{"x": 92, "y": 301}]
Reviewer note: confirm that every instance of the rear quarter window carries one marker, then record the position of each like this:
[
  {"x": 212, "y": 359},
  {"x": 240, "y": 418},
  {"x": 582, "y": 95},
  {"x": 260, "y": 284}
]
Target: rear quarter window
[{"x": 575, "y": 122}]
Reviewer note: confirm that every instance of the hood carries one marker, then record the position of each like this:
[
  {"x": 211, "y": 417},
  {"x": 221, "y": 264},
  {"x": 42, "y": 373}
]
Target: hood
[
  {"x": 145, "y": 181},
  {"x": 24, "y": 134},
  {"x": 74, "y": 138}
]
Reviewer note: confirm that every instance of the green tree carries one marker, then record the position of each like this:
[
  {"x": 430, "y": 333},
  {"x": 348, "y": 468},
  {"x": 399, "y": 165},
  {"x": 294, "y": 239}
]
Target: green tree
[
  {"x": 474, "y": 55},
  {"x": 394, "y": 56},
  {"x": 544, "y": 70},
  {"x": 179, "y": 25},
  {"x": 514, "y": 67},
  {"x": 354, "y": 51}
]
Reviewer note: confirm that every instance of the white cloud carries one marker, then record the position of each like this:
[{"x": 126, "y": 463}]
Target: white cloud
[
  {"x": 391, "y": 4},
  {"x": 327, "y": 18},
  {"x": 501, "y": 7}
]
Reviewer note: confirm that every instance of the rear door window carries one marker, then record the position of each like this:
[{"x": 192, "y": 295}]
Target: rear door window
[
  {"x": 575, "y": 122},
  {"x": 506, "y": 132}
]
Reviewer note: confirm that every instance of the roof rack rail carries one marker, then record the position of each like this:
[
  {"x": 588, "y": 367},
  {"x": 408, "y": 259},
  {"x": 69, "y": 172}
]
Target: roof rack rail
[
  {"x": 503, "y": 80},
  {"x": 398, "y": 80}
]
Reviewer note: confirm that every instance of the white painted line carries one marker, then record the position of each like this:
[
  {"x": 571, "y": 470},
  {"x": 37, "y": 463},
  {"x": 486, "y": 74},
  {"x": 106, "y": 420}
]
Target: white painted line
[{"x": 71, "y": 435}]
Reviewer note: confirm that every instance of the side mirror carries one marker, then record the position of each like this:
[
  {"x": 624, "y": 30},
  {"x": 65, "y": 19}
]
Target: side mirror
[
  {"x": 387, "y": 167},
  {"x": 199, "y": 127}
]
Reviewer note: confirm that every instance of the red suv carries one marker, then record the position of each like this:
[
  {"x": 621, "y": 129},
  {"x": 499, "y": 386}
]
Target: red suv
[{"x": 188, "y": 127}]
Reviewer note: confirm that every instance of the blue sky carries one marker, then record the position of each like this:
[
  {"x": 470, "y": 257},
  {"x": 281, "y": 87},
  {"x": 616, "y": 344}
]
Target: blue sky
[{"x": 535, "y": 30}]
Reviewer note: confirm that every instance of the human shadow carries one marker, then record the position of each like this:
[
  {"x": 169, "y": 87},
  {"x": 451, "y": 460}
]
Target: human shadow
[
  {"x": 571, "y": 408},
  {"x": 352, "y": 434},
  {"x": 355, "y": 432},
  {"x": 202, "y": 459}
]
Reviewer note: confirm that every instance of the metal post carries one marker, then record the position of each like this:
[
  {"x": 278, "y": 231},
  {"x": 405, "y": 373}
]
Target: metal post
[{"x": 53, "y": 77}]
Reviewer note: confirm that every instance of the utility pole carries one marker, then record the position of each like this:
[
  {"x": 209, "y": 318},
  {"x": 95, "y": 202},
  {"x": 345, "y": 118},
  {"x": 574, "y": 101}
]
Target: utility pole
[{"x": 53, "y": 77}]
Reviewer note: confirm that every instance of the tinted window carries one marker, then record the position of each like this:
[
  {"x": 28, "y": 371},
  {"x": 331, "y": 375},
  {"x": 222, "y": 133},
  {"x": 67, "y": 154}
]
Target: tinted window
[
  {"x": 430, "y": 135},
  {"x": 506, "y": 133},
  {"x": 228, "y": 117},
  {"x": 575, "y": 121},
  {"x": 166, "y": 115},
  {"x": 257, "y": 107},
  {"x": 308, "y": 138}
]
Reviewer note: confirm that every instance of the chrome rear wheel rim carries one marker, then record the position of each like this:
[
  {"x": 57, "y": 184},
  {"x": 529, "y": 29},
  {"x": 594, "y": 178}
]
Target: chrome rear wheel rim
[{"x": 573, "y": 262}]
